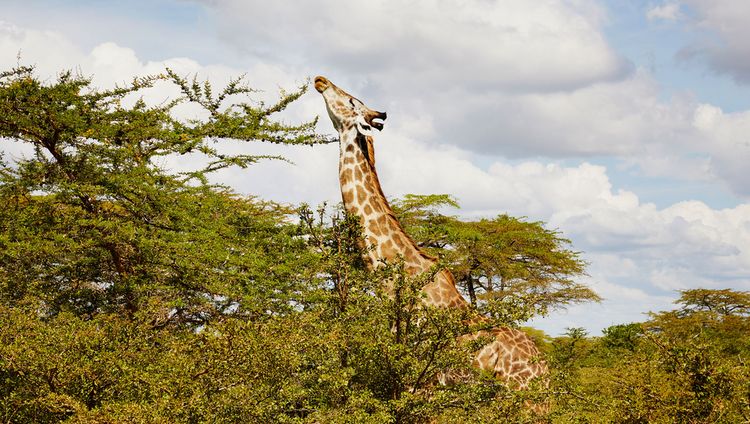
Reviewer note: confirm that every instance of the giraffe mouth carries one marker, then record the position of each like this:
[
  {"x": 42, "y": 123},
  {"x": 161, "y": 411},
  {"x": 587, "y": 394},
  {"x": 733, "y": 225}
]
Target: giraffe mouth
[{"x": 376, "y": 124}]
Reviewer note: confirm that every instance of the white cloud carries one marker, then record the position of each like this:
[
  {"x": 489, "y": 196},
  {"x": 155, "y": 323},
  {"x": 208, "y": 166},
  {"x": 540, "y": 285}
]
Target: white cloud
[
  {"x": 726, "y": 141},
  {"x": 109, "y": 64},
  {"x": 667, "y": 11},
  {"x": 624, "y": 118},
  {"x": 513, "y": 77},
  {"x": 622, "y": 305},
  {"x": 47, "y": 48},
  {"x": 511, "y": 44}
]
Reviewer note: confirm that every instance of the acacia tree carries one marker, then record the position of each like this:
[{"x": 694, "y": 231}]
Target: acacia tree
[
  {"x": 92, "y": 222},
  {"x": 723, "y": 302},
  {"x": 511, "y": 268}
]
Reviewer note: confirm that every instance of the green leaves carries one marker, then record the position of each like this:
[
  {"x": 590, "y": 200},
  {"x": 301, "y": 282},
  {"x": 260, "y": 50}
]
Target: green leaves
[{"x": 677, "y": 367}]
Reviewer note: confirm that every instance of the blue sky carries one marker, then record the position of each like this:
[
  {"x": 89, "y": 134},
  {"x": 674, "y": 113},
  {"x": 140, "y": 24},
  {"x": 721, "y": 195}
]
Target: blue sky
[{"x": 622, "y": 124}]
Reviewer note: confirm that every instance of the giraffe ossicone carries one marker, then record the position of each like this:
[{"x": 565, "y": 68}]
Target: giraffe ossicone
[{"x": 511, "y": 355}]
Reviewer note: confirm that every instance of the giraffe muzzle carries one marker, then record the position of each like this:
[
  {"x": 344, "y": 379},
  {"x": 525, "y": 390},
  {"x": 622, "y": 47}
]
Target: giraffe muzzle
[{"x": 376, "y": 115}]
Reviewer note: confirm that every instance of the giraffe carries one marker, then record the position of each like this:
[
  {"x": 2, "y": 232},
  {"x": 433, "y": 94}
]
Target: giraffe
[{"x": 511, "y": 355}]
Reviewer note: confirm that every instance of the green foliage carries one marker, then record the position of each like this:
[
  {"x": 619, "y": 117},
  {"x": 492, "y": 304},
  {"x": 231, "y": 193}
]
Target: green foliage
[
  {"x": 684, "y": 366},
  {"x": 92, "y": 223},
  {"x": 623, "y": 336},
  {"x": 132, "y": 293},
  {"x": 390, "y": 349}
]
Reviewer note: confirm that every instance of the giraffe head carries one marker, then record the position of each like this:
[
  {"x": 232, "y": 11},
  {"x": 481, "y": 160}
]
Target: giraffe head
[{"x": 347, "y": 111}]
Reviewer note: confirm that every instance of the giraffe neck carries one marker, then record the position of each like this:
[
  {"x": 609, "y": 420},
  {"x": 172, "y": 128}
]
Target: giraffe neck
[{"x": 363, "y": 197}]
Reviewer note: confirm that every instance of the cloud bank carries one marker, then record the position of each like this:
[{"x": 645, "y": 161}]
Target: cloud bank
[{"x": 511, "y": 78}]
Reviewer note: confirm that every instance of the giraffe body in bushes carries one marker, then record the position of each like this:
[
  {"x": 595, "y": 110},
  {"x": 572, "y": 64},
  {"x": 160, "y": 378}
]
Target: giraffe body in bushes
[{"x": 512, "y": 356}]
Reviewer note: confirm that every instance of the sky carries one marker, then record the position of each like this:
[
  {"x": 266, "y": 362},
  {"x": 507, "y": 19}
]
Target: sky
[{"x": 622, "y": 125}]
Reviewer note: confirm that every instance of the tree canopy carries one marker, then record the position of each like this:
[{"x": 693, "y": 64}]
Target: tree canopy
[{"x": 95, "y": 223}]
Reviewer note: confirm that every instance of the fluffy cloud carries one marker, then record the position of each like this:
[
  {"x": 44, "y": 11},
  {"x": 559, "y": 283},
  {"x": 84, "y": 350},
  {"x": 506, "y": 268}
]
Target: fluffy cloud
[
  {"x": 508, "y": 78},
  {"x": 613, "y": 118},
  {"x": 726, "y": 141},
  {"x": 510, "y": 44},
  {"x": 109, "y": 64},
  {"x": 622, "y": 305}
]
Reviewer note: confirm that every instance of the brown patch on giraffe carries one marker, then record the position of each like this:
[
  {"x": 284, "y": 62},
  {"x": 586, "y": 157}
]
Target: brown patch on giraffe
[
  {"x": 383, "y": 220},
  {"x": 367, "y": 209},
  {"x": 346, "y": 176},
  {"x": 457, "y": 303},
  {"x": 348, "y": 197},
  {"x": 348, "y": 160},
  {"x": 388, "y": 244},
  {"x": 350, "y": 148},
  {"x": 516, "y": 368},
  {"x": 370, "y": 149},
  {"x": 397, "y": 241},
  {"x": 358, "y": 174},
  {"x": 403, "y": 240},
  {"x": 505, "y": 364},
  {"x": 525, "y": 375},
  {"x": 374, "y": 229},
  {"x": 370, "y": 187},
  {"x": 393, "y": 226},
  {"x": 484, "y": 356},
  {"x": 388, "y": 250},
  {"x": 376, "y": 206},
  {"x": 361, "y": 194},
  {"x": 444, "y": 293}
]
